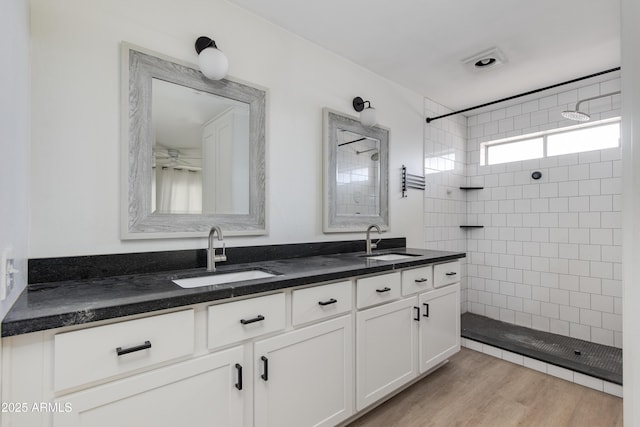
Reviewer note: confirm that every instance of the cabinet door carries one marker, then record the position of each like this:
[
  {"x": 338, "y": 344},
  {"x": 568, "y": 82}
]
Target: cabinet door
[
  {"x": 200, "y": 392},
  {"x": 439, "y": 325},
  {"x": 304, "y": 378},
  {"x": 385, "y": 349}
]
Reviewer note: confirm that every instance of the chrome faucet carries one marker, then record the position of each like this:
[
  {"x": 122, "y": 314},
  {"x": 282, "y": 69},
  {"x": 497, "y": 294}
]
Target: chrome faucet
[
  {"x": 371, "y": 245},
  {"x": 211, "y": 251}
]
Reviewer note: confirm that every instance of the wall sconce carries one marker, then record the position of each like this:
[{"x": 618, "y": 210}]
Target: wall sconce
[
  {"x": 213, "y": 62},
  {"x": 367, "y": 115}
]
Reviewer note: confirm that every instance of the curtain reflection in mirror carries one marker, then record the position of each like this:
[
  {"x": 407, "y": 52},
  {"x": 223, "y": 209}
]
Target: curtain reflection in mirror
[{"x": 176, "y": 191}]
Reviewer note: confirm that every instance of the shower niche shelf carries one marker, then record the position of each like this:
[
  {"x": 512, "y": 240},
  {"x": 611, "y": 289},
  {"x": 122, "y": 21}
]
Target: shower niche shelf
[{"x": 472, "y": 226}]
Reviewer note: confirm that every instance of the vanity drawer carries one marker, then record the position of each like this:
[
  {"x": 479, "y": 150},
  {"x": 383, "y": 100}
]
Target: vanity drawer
[
  {"x": 321, "y": 301},
  {"x": 377, "y": 289},
  {"x": 417, "y": 280},
  {"x": 101, "y": 352},
  {"x": 446, "y": 274},
  {"x": 241, "y": 320}
]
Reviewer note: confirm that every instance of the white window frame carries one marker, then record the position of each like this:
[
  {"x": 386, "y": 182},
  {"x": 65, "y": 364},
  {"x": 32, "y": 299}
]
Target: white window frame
[{"x": 484, "y": 146}]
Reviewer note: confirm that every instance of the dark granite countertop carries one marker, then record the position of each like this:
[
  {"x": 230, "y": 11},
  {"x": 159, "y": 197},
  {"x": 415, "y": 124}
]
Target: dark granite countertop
[{"x": 56, "y": 304}]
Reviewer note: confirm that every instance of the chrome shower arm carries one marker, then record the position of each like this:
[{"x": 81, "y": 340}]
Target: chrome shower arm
[{"x": 595, "y": 97}]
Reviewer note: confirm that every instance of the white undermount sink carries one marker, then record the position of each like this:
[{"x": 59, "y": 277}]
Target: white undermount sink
[
  {"x": 221, "y": 278},
  {"x": 391, "y": 257}
]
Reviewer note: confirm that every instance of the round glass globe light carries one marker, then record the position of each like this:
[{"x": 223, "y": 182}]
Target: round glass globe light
[
  {"x": 368, "y": 117},
  {"x": 213, "y": 63}
]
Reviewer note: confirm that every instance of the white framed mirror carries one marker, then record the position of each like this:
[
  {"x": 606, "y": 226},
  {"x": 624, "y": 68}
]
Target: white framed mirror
[
  {"x": 356, "y": 170},
  {"x": 193, "y": 151}
]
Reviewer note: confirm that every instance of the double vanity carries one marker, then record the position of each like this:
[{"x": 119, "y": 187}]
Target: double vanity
[
  {"x": 307, "y": 341},
  {"x": 313, "y": 338}
]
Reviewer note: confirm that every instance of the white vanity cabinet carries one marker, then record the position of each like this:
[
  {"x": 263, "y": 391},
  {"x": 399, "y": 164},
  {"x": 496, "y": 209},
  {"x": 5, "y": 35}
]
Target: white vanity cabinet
[
  {"x": 206, "y": 388},
  {"x": 304, "y": 377},
  {"x": 446, "y": 274},
  {"x": 201, "y": 392},
  {"x": 439, "y": 330},
  {"x": 321, "y": 302},
  {"x": 385, "y": 350},
  {"x": 92, "y": 354},
  {"x": 238, "y": 321},
  {"x": 398, "y": 341},
  {"x": 310, "y": 356},
  {"x": 376, "y": 290},
  {"x": 439, "y": 325}
]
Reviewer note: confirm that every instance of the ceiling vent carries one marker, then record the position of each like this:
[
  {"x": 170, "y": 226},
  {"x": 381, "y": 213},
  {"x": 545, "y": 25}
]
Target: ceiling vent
[{"x": 490, "y": 58}]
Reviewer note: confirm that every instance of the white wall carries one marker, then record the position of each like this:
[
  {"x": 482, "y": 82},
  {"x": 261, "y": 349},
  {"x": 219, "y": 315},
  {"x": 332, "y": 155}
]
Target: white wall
[
  {"x": 14, "y": 137},
  {"x": 75, "y": 118},
  {"x": 549, "y": 256},
  {"x": 631, "y": 209}
]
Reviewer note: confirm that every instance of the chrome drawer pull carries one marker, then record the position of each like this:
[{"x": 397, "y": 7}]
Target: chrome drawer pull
[
  {"x": 258, "y": 318},
  {"x": 121, "y": 351},
  {"x": 331, "y": 301},
  {"x": 451, "y": 273},
  {"x": 385, "y": 289},
  {"x": 421, "y": 280}
]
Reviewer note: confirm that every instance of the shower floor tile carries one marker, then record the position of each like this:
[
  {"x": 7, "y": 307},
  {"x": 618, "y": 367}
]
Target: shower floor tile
[{"x": 592, "y": 359}]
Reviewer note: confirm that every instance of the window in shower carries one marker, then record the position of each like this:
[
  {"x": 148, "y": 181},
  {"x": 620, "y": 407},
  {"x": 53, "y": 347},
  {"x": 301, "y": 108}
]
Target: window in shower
[
  {"x": 592, "y": 138},
  {"x": 525, "y": 149},
  {"x": 575, "y": 139}
]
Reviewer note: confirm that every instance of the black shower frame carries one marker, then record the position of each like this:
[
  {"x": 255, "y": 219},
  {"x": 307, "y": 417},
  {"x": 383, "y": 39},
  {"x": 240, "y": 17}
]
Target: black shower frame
[{"x": 531, "y": 92}]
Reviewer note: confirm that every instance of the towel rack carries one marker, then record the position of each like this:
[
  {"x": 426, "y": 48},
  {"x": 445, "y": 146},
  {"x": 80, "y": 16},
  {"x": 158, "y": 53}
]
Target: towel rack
[{"x": 411, "y": 181}]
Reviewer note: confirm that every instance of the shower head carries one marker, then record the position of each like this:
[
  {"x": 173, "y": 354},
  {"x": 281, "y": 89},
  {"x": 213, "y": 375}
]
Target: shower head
[
  {"x": 578, "y": 115},
  {"x": 374, "y": 157},
  {"x": 575, "y": 115}
]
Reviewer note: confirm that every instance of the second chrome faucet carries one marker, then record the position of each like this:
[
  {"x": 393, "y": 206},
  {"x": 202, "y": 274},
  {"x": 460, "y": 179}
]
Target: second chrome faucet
[
  {"x": 211, "y": 251},
  {"x": 372, "y": 245}
]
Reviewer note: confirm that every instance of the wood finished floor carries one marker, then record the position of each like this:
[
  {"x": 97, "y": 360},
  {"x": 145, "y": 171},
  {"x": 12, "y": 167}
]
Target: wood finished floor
[{"x": 475, "y": 389}]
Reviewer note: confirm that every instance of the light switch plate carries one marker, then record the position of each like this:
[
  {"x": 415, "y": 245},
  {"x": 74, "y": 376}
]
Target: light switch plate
[
  {"x": 6, "y": 273},
  {"x": 3, "y": 276}
]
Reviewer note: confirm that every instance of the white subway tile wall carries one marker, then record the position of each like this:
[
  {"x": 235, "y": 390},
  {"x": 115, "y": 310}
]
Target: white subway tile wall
[
  {"x": 549, "y": 255},
  {"x": 358, "y": 178},
  {"x": 445, "y": 206}
]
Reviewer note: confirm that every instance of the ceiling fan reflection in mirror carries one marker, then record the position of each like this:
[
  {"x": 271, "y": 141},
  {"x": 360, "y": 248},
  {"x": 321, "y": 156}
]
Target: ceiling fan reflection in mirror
[{"x": 172, "y": 157}]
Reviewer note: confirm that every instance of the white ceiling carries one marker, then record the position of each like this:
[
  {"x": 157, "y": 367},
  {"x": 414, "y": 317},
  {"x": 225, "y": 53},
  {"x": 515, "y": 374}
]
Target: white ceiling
[
  {"x": 420, "y": 44},
  {"x": 179, "y": 113}
]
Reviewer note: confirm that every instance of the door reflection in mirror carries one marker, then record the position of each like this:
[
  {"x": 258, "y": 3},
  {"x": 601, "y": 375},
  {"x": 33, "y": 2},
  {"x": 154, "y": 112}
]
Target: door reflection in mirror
[{"x": 357, "y": 174}]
